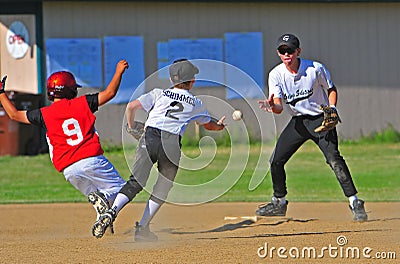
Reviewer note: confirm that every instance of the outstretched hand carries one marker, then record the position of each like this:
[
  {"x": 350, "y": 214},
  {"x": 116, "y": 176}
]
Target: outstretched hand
[
  {"x": 215, "y": 124},
  {"x": 267, "y": 104},
  {"x": 3, "y": 84},
  {"x": 221, "y": 121}
]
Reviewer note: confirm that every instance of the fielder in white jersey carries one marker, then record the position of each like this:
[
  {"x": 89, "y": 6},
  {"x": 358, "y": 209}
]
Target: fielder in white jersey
[
  {"x": 303, "y": 85},
  {"x": 304, "y": 96},
  {"x": 170, "y": 111}
]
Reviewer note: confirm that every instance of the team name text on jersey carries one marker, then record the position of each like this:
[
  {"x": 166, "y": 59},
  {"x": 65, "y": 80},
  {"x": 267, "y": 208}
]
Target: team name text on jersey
[{"x": 298, "y": 93}]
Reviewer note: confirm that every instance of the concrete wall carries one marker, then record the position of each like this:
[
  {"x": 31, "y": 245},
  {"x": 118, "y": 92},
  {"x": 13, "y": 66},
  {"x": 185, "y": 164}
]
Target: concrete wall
[{"x": 356, "y": 41}]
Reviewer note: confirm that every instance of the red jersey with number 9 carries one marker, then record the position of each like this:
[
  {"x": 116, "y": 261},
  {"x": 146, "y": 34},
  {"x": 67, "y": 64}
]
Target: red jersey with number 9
[{"x": 71, "y": 134}]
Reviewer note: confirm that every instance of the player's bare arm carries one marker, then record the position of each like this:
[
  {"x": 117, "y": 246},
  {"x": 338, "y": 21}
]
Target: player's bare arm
[
  {"x": 130, "y": 111},
  {"x": 11, "y": 111},
  {"x": 113, "y": 86},
  {"x": 215, "y": 124},
  {"x": 271, "y": 105},
  {"x": 332, "y": 96}
]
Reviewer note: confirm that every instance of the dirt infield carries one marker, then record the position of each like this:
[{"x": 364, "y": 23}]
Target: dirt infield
[{"x": 310, "y": 233}]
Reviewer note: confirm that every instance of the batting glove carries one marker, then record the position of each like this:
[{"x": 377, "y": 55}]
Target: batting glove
[{"x": 3, "y": 84}]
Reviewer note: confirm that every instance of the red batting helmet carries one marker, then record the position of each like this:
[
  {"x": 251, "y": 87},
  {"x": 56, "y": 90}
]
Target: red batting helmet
[{"x": 62, "y": 84}]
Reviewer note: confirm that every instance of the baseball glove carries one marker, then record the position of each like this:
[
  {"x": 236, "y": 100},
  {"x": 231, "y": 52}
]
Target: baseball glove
[
  {"x": 137, "y": 130},
  {"x": 331, "y": 119}
]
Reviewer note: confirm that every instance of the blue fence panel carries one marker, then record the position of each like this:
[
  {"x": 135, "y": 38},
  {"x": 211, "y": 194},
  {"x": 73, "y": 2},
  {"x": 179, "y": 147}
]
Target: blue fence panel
[
  {"x": 244, "y": 51},
  {"x": 80, "y": 56},
  {"x": 130, "y": 48}
]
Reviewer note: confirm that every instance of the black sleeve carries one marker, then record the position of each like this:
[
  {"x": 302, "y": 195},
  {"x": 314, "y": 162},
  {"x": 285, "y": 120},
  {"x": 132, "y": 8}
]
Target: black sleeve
[
  {"x": 93, "y": 101},
  {"x": 35, "y": 117}
]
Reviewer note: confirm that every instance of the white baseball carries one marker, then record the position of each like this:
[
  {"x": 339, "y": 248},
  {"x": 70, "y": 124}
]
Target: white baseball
[{"x": 237, "y": 115}]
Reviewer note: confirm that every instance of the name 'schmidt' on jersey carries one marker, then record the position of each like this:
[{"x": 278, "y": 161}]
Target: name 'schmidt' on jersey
[{"x": 180, "y": 97}]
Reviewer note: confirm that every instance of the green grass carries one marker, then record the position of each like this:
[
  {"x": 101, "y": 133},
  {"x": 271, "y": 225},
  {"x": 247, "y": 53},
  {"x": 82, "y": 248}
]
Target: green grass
[
  {"x": 388, "y": 135},
  {"x": 374, "y": 167}
]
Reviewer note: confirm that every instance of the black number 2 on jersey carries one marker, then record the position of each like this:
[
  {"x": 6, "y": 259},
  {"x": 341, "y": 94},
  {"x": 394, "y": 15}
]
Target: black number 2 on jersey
[{"x": 178, "y": 107}]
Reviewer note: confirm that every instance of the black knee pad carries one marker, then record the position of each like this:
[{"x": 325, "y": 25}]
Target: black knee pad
[{"x": 131, "y": 188}]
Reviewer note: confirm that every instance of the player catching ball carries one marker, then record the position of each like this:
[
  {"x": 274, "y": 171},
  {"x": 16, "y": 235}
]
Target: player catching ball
[
  {"x": 74, "y": 144},
  {"x": 170, "y": 111},
  {"x": 306, "y": 87}
]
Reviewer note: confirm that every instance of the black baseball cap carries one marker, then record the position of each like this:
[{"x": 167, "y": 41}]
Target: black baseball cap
[
  {"x": 289, "y": 40},
  {"x": 182, "y": 70}
]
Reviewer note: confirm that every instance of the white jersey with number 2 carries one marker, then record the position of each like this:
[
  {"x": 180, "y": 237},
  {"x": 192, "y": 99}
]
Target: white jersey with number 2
[{"x": 173, "y": 109}]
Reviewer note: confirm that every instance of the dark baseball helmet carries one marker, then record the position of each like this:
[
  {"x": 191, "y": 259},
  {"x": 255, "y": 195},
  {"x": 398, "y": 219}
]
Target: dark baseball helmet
[
  {"x": 182, "y": 70},
  {"x": 62, "y": 84}
]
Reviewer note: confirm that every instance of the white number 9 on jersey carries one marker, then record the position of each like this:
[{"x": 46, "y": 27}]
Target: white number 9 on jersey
[{"x": 72, "y": 129}]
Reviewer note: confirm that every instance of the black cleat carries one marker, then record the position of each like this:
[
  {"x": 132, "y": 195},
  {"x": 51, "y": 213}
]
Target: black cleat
[
  {"x": 143, "y": 234},
  {"x": 105, "y": 220},
  {"x": 272, "y": 209},
  {"x": 358, "y": 211},
  {"x": 99, "y": 202}
]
